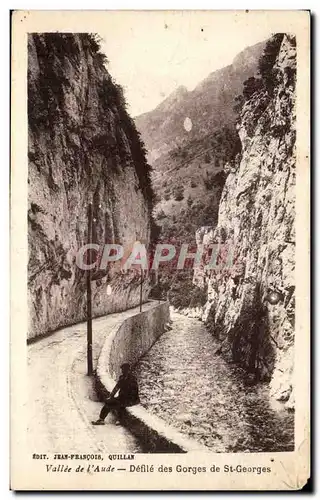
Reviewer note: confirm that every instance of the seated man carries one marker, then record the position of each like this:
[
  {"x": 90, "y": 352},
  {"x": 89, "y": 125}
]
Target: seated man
[{"x": 128, "y": 394}]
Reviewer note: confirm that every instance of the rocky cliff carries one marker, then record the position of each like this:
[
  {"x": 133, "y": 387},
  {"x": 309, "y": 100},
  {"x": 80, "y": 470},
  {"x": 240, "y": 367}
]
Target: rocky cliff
[
  {"x": 250, "y": 307},
  {"x": 83, "y": 147}
]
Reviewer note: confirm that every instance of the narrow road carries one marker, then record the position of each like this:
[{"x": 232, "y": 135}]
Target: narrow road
[{"x": 62, "y": 401}]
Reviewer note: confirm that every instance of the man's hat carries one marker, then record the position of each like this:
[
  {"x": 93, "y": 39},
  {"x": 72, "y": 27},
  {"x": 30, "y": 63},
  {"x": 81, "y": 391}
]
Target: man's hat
[{"x": 125, "y": 366}]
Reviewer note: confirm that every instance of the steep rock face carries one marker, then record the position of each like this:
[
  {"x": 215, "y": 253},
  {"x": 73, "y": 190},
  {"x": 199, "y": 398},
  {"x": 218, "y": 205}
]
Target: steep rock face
[
  {"x": 256, "y": 222},
  {"x": 82, "y": 147}
]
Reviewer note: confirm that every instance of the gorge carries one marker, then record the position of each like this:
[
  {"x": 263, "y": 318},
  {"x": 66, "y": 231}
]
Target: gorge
[
  {"x": 253, "y": 213},
  {"x": 227, "y": 178}
]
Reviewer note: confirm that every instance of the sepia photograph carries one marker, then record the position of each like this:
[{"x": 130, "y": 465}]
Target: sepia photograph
[{"x": 162, "y": 239}]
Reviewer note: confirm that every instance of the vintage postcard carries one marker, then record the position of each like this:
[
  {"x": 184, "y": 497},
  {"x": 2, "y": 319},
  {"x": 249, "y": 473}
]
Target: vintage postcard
[{"x": 160, "y": 250}]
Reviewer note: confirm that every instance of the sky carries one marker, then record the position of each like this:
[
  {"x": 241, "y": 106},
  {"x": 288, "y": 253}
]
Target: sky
[{"x": 154, "y": 53}]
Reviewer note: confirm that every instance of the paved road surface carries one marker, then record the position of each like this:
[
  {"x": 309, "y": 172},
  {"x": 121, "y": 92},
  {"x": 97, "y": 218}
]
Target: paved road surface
[{"x": 62, "y": 401}]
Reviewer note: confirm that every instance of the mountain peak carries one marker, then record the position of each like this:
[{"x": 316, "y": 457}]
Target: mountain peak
[
  {"x": 177, "y": 92},
  {"x": 173, "y": 98},
  {"x": 209, "y": 105},
  {"x": 181, "y": 90}
]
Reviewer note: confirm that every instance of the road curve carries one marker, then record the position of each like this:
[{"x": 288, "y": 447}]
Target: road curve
[{"x": 61, "y": 399}]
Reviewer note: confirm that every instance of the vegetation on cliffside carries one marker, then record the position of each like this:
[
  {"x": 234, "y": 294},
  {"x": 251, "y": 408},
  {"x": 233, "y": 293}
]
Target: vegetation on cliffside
[
  {"x": 83, "y": 147},
  {"x": 46, "y": 101}
]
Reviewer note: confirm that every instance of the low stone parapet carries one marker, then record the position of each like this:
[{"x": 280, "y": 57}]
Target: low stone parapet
[{"x": 128, "y": 343}]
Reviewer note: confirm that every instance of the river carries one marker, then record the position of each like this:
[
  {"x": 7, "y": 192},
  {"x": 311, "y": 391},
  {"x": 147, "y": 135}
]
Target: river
[{"x": 183, "y": 381}]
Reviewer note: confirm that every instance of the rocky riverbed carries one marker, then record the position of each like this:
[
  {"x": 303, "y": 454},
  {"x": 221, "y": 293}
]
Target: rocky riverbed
[{"x": 185, "y": 382}]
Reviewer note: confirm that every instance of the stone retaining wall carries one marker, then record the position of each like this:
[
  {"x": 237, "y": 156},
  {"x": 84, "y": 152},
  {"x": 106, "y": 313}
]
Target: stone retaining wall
[{"x": 128, "y": 343}]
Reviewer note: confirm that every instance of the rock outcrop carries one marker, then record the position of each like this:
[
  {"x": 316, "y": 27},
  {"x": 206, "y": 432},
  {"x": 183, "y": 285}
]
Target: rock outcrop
[
  {"x": 189, "y": 137},
  {"x": 257, "y": 223},
  {"x": 83, "y": 147}
]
